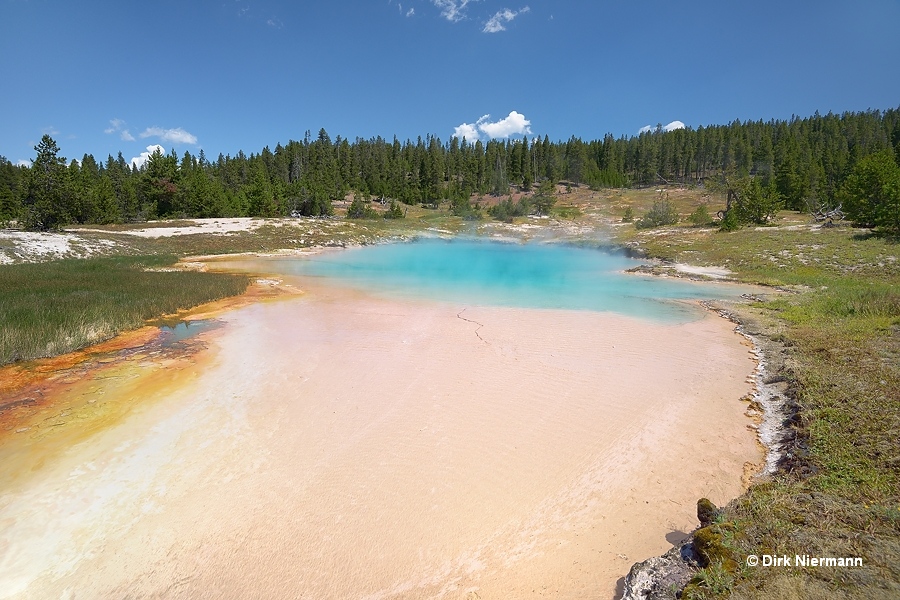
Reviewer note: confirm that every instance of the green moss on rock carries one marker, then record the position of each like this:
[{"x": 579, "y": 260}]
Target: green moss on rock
[
  {"x": 709, "y": 544},
  {"x": 706, "y": 512}
]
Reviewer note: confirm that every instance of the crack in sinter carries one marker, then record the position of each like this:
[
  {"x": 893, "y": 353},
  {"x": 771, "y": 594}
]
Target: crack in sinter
[{"x": 480, "y": 325}]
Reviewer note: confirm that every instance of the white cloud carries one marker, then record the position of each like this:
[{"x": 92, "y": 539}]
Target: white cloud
[
  {"x": 116, "y": 125},
  {"x": 466, "y": 130},
  {"x": 51, "y": 130},
  {"x": 670, "y": 127},
  {"x": 495, "y": 23},
  {"x": 176, "y": 136},
  {"x": 513, "y": 124},
  {"x": 409, "y": 13},
  {"x": 143, "y": 157},
  {"x": 452, "y": 10},
  {"x": 23, "y": 162}
]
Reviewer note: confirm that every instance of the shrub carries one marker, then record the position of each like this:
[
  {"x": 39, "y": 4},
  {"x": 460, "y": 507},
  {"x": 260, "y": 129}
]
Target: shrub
[
  {"x": 662, "y": 213},
  {"x": 700, "y": 217},
  {"x": 756, "y": 203},
  {"x": 729, "y": 222},
  {"x": 360, "y": 209},
  {"x": 749, "y": 201},
  {"x": 393, "y": 212},
  {"x": 508, "y": 210},
  {"x": 460, "y": 206}
]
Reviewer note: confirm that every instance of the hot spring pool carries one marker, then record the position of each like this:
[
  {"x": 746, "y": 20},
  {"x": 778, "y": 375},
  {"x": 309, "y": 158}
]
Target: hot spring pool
[{"x": 516, "y": 275}]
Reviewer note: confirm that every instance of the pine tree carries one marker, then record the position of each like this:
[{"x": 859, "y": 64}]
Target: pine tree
[
  {"x": 107, "y": 208},
  {"x": 10, "y": 184},
  {"x": 871, "y": 194},
  {"x": 260, "y": 196},
  {"x": 527, "y": 174},
  {"x": 545, "y": 198},
  {"x": 159, "y": 187},
  {"x": 49, "y": 195}
]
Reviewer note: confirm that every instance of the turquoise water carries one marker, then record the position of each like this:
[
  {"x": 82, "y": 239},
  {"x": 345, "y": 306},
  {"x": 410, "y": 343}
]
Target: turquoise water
[{"x": 518, "y": 275}]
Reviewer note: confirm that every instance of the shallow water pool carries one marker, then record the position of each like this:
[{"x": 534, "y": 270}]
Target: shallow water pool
[{"x": 518, "y": 275}]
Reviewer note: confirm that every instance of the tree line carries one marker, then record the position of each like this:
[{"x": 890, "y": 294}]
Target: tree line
[{"x": 822, "y": 160}]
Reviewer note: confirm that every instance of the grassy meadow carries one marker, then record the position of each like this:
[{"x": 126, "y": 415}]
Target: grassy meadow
[{"x": 51, "y": 308}]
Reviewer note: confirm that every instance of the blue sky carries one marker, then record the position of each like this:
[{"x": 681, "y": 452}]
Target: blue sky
[{"x": 229, "y": 75}]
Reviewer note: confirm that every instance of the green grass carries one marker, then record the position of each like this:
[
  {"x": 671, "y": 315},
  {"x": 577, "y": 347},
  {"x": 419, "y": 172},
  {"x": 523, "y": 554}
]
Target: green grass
[
  {"x": 55, "y": 307},
  {"x": 564, "y": 211},
  {"x": 843, "y": 498},
  {"x": 840, "y": 332}
]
